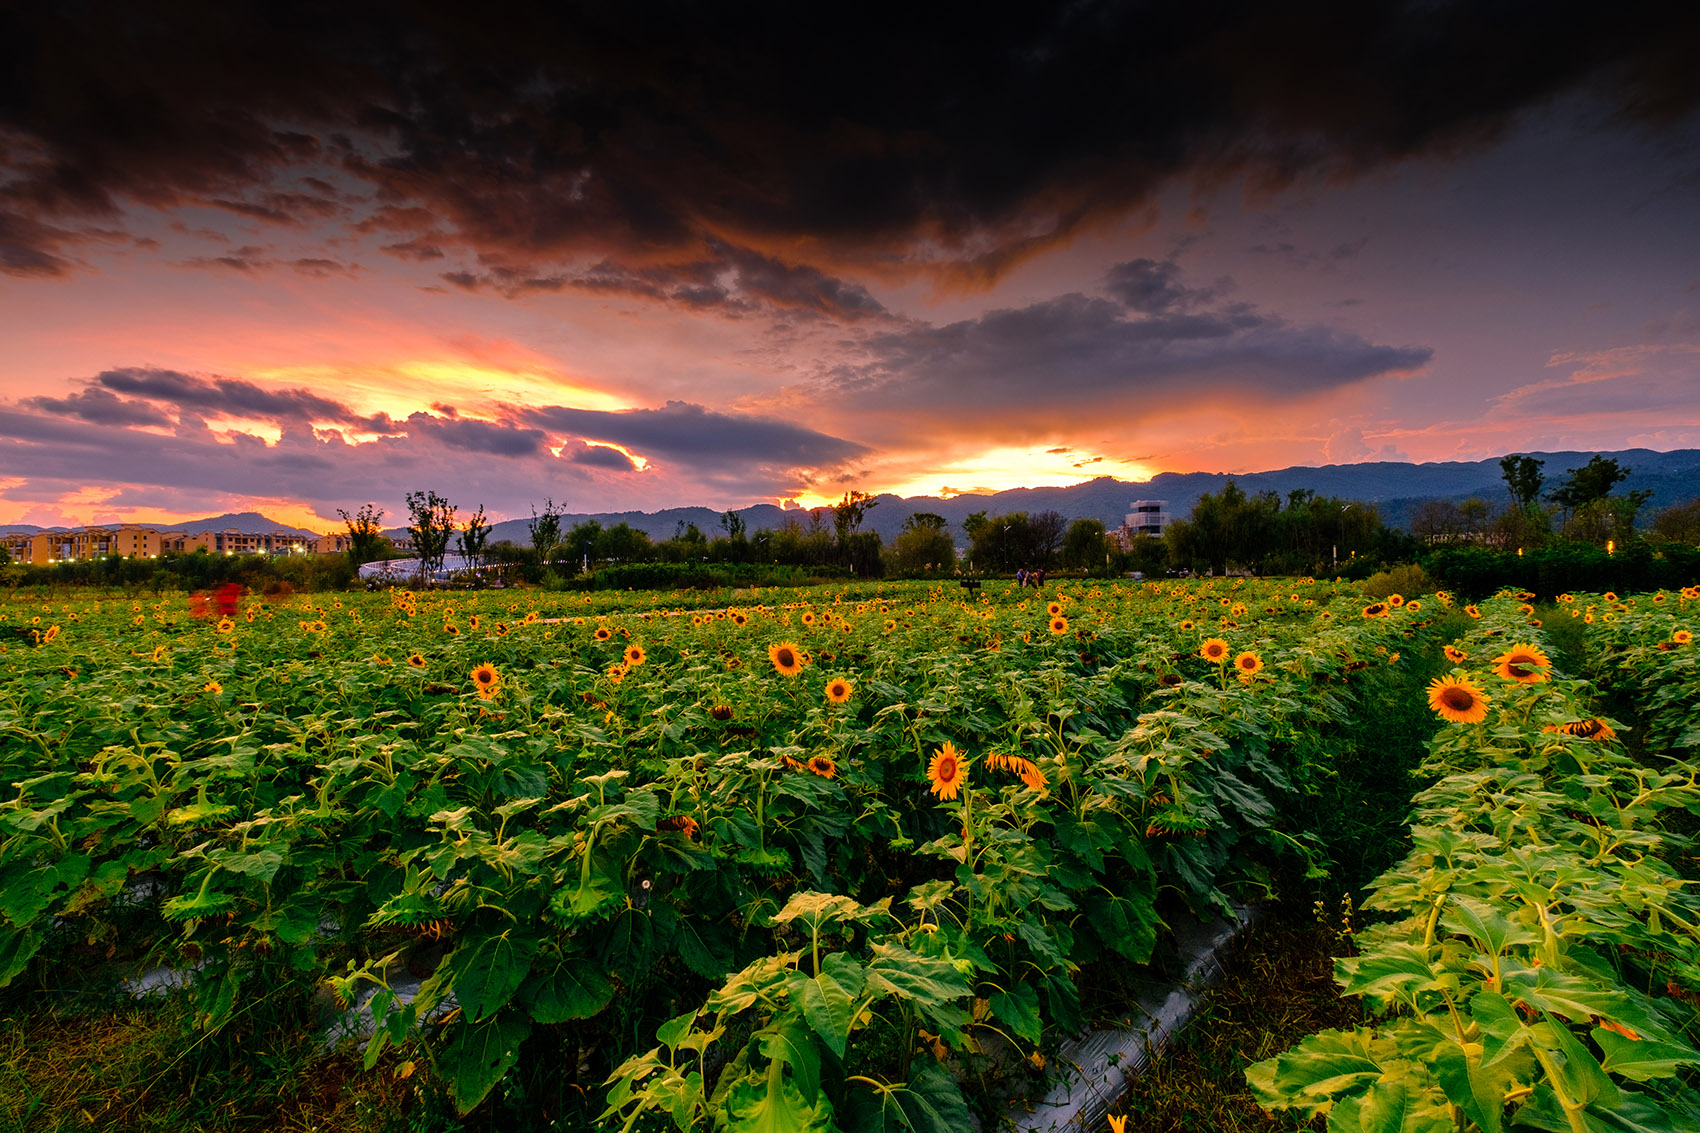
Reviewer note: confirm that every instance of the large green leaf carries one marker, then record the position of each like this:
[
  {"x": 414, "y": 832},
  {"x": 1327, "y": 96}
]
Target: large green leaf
[
  {"x": 479, "y": 1054},
  {"x": 1318, "y": 1071},
  {"x": 705, "y": 946},
  {"x": 576, "y": 988},
  {"x": 827, "y": 1004},
  {"x": 487, "y": 970},
  {"x": 932, "y": 983},
  {"x": 1642, "y": 1060},
  {"x": 773, "y": 1103},
  {"x": 1018, "y": 1009},
  {"x": 1399, "y": 1107}
]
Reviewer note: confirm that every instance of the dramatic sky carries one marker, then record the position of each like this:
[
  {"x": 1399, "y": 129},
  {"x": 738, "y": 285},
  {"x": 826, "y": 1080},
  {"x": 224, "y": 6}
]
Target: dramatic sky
[{"x": 296, "y": 256}]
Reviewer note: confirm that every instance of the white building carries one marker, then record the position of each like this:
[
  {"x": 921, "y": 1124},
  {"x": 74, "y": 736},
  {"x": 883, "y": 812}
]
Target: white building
[{"x": 1147, "y": 518}]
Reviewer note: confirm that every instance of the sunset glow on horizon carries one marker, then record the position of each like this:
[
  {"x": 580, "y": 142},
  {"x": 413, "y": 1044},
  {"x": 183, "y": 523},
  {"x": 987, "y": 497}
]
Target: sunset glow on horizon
[{"x": 736, "y": 260}]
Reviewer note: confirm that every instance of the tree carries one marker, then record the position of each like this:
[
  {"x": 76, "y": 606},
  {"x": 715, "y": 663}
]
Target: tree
[
  {"x": 545, "y": 530},
  {"x": 848, "y": 513},
  {"x": 924, "y": 546},
  {"x": 1523, "y": 478},
  {"x": 432, "y": 526},
  {"x": 1591, "y": 512},
  {"x": 1593, "y": 481},
  {"x": 733, "y": 524},
  {"x": 365, "y": 537},
  {"x": 1045, "y": 534},
  {"x": 1679, "y": 523},
  {"x": 473, "y": 537},
  {"x": 1085, "y": 545}
]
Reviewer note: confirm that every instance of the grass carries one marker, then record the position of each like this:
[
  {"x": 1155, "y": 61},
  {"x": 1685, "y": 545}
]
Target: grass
[{"x": 1279, "y": 988}]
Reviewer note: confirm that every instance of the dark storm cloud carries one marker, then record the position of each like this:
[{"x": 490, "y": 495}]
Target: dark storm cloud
[
  {"x": 100, "y": 407},
  {"x": 693, "y": 435},
  {"x": 946, "y": 135},
  {"x": 600, "y": 456},
  {"x": 1080, "y": 350},
  {"x": 233, "y": 396},
  {"x": 472, "y": 435}
]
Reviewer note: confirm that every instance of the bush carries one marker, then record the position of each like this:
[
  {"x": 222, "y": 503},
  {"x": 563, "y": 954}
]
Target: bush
[{"x": 1406, "y": 579}]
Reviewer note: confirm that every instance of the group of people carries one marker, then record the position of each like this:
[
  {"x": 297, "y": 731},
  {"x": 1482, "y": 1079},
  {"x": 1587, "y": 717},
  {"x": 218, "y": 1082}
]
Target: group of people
[{"x": 1033, "y": 578}]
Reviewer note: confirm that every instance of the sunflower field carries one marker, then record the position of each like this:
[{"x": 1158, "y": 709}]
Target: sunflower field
[{"x": 814, "y": 859}]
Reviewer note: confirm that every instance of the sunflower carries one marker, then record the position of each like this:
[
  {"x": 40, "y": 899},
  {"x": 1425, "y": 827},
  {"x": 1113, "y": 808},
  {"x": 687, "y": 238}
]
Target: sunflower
[
  {"x": 1248, "y": 663},
  {"x": 1682, "y": 637},
  {"x": 225, "y": 625},
  {"x": 823, "y": 767},
  {"x": 635, "y": 656},
  {"x": 1455, "y": 655},
  {"x": 721, "y": 711},
  {"x": 602, "y": 633},
  {"x": 501, "y": 629},
  {"x": 616, "y": 673},
  {"x": 1187, "y": 626},
  {"x": 739, "y": 619},
  {"x": 947, "y": 771},
  {"x": 1610, "y": 596},
  {"x": 417, "y": 660},
  {"x": 1413, "y": 606},
  {"x": 1395, "y": 600},
  {"x": 786, "y": 657},
  {"x": 451, "y": 629},
  {"x": 1457, "y": 700},
  {"x": 1169, "y": 680},
  {"x": 1376, "y": 610},
  {"x": 213, "y": 687},
  {"x": 838, "y": 690},
  {"x": 1054, "y": 609},
  {"x": 486, "y": 679},
  {"x": 683, "y": 823},
  {"x": 1522, "y": 663},
  {"x": 890, "y": 625},
  {"x": 1214, "y": 649},
  {"x": 1473, "y": 611},
  {"x": 472, "y": 621},
  {"x": 1059, "y": 625},
  {"x": 1590, "y": 729}
]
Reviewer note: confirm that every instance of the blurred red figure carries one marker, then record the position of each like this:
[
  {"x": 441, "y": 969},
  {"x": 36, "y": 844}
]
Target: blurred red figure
[
  {"x": 226, "y": 599},
  {"x": 197, "y": 605}
]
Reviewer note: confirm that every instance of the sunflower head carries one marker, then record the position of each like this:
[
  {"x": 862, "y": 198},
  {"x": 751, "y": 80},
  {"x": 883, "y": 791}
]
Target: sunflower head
[
  {"x": 1522, "y": 663},
  {"x": 1248, "y": 663},
  {"x": 486, "y": 680},
  {"x": 634, "y": 655},
  {"x": 1473, "y": 611},
  {"x": 417, "y": 660},
  {"x": 213, "y": 687},
  {"x": 822, "y": 766},
  {"x": 602, "y": 633},
  {"x": 1682, "y": 637},
  {"x": 1054, "y": 609},
  {"x": 838, "y": 690},
  {"x": 787, "y": 659},
  {"x": 472, "y": 621},
  {"x": 1214, "y": 649},
  {"x": 1059, "y": 625},
  {"x": 1455, "y": 655},
  {"x": 1376, "y": 610},
  {"x": 225, "y": 625},
  {"x": 1457, "y": 700},
  {"x": 947, "y": 771}
]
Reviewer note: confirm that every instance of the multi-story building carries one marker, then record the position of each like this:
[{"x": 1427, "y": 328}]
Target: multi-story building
[
  {"x": 135, "y": 541},
  {"x": 1147, "y": 518}
]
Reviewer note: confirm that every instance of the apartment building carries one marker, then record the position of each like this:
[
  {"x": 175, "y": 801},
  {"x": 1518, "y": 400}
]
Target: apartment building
[
  {"x": 135, "y": 541},
  {"x": 1148, "y": 517}
]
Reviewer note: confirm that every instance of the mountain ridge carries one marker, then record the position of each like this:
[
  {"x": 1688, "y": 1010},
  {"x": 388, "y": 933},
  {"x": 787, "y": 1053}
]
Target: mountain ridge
[{"x": 1397, "y": 488}]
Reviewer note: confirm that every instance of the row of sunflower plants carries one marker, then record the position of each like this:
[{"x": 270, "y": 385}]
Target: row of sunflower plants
[
  {"x": 1643, "y": 646},
  {"x": 1540, "y": 935},
  {"x": 594, "y": 822}
]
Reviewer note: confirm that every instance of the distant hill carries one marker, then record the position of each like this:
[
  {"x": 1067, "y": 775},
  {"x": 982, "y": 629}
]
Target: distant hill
[
  {"x": 247, "y": 522},
  {"x": 1397, "y": 489}
]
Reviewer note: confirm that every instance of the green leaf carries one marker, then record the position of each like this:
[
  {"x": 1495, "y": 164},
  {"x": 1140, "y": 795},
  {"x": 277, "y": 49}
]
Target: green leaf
[
  {"x": 1395, "y": 1107},
  {"x": 17, "y": 948},
  {"x": 1479, "y": 1092},
  {"x": 479, "y": 1055},
  {"x": 1481, "y": 922},
  {"x": 705, "y": 946},
  {"x": 487, "y": 970},
  {"x": 1019, "y": 1009},
  {"x": 773, "y": 1103},
  {"x": 1584, "y": 1080},
  {"x": 1316, "y": 1073},
  {"x": 932, "y": 983},
  {"x": 1502, "y": 1030},
  {"x": 1642, "y": 1060},
  {"x": 827, "y": 1006},
  {"x": 793, "y": 1045},
  {"x": 816, "y": 909},
  {"x": 574, "y": 989},
  {"x": 262, "y": 863}
]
